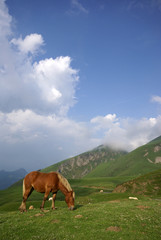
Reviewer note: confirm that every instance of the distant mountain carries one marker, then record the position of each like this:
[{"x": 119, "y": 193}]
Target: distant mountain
[
  {"x": 83, "y": 164},
  {"x": 106, "y": 162},
  {"x": 148, "y": 184},
  {"x": 142, "y": 160},
  {"x": 9, "y": 178}
]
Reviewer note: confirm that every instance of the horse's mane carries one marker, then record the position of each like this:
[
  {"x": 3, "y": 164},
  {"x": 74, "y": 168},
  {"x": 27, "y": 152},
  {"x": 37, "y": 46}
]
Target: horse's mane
[{"x": 65, "y": 182}]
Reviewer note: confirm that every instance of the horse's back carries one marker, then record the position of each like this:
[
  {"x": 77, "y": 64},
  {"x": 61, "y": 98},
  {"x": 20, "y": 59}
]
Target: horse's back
[{"x": 39, "y": 180}]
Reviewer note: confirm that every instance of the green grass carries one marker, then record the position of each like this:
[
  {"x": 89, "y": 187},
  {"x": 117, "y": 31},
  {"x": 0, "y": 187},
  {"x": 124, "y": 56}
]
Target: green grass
[
  {"x": 96, "y": 216},
  {"x": 148, "y": 184}
]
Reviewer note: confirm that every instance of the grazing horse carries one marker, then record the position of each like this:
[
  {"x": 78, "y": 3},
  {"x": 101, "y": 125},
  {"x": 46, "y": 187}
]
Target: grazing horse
[{"x": 46, "y": 183}]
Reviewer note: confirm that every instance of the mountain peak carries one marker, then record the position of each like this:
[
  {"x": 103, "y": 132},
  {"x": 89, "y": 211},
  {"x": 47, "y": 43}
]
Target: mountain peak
[{"x": 81, "y": 165}]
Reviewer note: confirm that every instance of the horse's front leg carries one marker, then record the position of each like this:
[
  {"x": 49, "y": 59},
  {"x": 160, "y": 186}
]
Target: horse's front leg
[
  {"x": 44, "y": 199},
  {"x": 53, "y": 200}
]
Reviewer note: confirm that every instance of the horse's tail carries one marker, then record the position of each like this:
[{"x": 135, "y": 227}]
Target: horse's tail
[{"x": 23, "y": 187}]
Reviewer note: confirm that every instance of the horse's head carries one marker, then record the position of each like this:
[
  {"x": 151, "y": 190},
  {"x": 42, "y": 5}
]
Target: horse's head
[{"x": 69, "y": 198}]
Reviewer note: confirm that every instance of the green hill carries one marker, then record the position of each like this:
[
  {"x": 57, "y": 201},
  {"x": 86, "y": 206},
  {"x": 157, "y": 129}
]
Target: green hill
[
  {"x": 148, "y": 184},
  {"x": 83, "y": 164},
  {"x": 142, "y": 160}
]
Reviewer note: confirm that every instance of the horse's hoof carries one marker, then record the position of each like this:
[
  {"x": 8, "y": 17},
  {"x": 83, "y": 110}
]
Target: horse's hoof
[{"x": 23, "y": 210}]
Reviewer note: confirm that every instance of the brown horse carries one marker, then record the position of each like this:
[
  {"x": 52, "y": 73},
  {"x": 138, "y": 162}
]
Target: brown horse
[{"x": 46, "y": 183}]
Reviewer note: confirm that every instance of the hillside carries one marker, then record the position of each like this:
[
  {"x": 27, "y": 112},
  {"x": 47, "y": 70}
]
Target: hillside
[
  {"x": 7, "y": 178},
  {"x": 142, "y": 160},
  {"x": 83, "y": 164},
  {"x": 148, "y": 184}
]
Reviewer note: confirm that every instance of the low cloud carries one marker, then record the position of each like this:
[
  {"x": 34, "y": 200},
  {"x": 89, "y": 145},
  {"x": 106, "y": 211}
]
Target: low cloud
[{"x": 126, "y": 133}]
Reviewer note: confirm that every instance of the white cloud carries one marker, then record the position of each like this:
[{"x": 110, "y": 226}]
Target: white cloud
[
  {"x": 156, "y": 99},
  {"x": 5, "y": 20},
  {"x": 106, "y": 120},
  {"x": 30, "y": 44},
  {"x": 127, "y": 133},
  {"x": 57, "y": 83},
  {"x": 35, "y": 141},
  {"x": 41, "y": 138},
  {"x": 47, "y": 86}
]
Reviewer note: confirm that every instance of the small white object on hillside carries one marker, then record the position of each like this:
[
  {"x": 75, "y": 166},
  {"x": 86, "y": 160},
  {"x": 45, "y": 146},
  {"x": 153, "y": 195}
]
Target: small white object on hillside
[{"x": 133, "y": 198}]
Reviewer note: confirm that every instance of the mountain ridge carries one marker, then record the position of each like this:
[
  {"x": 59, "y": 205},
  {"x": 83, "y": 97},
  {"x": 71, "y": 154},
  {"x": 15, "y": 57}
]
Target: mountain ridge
[
  {"x": 8, "y": 178},
  {"x": 104, "y": 161},
  {"x": 79, "y": 166},
  {"x": 140, "y": 161}
]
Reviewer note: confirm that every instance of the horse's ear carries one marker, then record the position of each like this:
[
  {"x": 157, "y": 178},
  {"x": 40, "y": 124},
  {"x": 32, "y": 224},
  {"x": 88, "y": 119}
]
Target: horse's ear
[{"x": 74, "y": 195}]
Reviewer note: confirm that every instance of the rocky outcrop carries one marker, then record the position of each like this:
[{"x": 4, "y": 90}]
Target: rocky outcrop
[{"x": 83, "y": 164}]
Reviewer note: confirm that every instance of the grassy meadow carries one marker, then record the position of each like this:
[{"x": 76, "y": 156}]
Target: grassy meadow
[{"x": 97, "y": 215}]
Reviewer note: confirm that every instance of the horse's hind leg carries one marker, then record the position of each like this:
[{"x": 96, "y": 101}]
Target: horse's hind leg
[{"x": 27, "y": 190}]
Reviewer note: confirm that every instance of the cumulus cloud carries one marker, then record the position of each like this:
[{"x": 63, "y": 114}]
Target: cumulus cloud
[
  {"x": 30, "y": 44},
  {"x": 102, "y": 121},
  {"x": 57, "y": 82},
  {"x": 47, "y": 86}
]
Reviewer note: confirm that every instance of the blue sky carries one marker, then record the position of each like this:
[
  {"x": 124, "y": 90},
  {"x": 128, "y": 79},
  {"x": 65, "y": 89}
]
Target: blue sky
[{"x": 76, "y": 74}]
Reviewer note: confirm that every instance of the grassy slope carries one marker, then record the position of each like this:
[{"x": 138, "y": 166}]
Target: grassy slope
[
  {"x": 107, "y": 219},
  {"x": 134, "y": 163},
  {"x": 148, "y": 184},
  {"x": 97, "y": 216}
]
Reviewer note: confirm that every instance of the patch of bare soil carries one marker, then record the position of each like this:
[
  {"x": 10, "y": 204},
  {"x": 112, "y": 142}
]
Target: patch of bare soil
[
  {"x": 142, "y": 207},
  {"x": 120, "y": 189},
  {"x": 39, "y": 215},
  {"x": 113, "y": 229},
  {"x": 157, "y": 148},
  {"x": 55, "y": 221}
]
